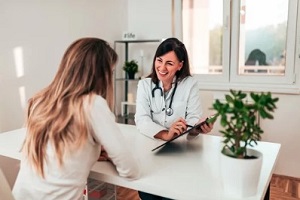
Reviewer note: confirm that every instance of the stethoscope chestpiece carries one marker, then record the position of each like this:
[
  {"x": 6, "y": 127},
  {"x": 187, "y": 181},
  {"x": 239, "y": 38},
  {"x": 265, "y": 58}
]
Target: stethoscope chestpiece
[{"x": 169, "y": 111}]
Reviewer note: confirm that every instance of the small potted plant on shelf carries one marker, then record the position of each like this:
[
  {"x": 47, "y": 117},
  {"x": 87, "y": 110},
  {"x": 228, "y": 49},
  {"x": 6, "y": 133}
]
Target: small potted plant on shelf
[
  {"x": 239, "y": 118},
  {"x": 131, "y": 68}
]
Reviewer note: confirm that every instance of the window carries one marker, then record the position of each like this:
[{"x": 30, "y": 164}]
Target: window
[{"x": 242, "y": 43}]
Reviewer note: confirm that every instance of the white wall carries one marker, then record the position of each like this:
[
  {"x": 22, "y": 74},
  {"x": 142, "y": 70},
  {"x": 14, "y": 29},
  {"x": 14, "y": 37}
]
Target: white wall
[
  {"x": 284, "y": 129},
  {"x": 148, "y": 19},
  {"x": 45, "y": 28}
]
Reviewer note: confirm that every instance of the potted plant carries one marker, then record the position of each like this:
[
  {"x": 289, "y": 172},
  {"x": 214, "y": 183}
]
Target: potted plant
[
  {"x": 239, "y": 118},
  {"x": 130, "y": 67}
]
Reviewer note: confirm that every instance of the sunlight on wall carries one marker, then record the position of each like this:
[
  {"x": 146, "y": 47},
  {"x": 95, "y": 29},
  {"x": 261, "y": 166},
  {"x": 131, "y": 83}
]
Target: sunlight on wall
[
  {"x": 22, "y": 95},
  {"x": 18, "y": 54},
  {"x": 19, "y": 64}
]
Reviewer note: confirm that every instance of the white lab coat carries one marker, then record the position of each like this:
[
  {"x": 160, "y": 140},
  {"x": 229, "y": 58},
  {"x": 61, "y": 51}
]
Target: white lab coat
[{"x": 150, "y": 116}]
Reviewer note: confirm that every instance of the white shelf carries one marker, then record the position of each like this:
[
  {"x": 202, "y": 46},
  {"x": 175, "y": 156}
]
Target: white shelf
[{"x": 126, "y": 103}]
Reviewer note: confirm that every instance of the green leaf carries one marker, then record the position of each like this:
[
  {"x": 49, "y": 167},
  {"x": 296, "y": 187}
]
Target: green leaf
[
  {"x": 238, "y": 119},
  {"x": 228, "y": 98},
  {"x": 243, "y": 95}
]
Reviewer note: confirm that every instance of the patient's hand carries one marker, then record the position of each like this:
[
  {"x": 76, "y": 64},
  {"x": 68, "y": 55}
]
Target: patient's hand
[{"x": 103, "y": 155}]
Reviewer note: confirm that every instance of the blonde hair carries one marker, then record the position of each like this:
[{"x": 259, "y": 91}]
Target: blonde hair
[{"x": 56, "y": 114}]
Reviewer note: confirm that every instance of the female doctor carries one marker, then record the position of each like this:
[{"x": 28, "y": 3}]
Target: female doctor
[{"x": 168, "y": 100}]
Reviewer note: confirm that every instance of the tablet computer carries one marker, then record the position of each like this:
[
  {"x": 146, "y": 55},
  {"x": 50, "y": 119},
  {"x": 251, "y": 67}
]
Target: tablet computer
[{"x": 185, "y": 132}]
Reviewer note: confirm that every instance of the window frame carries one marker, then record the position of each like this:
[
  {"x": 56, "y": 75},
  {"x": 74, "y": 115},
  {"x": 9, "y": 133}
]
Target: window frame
[{"x": 230, "y": 79}]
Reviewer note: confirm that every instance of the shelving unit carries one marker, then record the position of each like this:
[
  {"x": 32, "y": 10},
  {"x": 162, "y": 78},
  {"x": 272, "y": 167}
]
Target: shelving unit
[{"x": 124, "y": 103}]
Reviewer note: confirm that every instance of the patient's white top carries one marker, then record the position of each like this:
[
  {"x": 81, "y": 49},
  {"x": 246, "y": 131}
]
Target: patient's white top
[{"x": 68, "y": 182}]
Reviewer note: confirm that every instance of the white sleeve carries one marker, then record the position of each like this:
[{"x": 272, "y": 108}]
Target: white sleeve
[
  {"x": 108, "y": 134},
  {"x": 194, "y": 109},
  {"x": 143, "y": 118}
]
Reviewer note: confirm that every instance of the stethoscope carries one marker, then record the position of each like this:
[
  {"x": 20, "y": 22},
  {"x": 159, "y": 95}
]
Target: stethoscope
[{"x": 169, "y": 111}]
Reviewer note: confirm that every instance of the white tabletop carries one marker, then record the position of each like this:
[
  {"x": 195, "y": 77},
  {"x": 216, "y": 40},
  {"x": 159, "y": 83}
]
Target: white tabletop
[{"x": 182, "y": 170}]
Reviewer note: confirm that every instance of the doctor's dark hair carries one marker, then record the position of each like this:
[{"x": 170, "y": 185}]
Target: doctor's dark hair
[{"x": 172, "y": 44}]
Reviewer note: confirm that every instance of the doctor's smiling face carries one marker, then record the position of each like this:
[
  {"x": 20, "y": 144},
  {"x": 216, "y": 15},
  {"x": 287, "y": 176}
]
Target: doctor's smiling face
[
  {"x": 170, "y": 59},
  {"x": 166, "y": 67}
]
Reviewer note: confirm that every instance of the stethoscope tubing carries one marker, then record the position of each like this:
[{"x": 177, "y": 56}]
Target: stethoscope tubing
[{"x": 169, "y": 111}]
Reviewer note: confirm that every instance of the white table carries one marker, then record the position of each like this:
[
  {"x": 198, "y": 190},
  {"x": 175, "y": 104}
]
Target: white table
[{"x": 182, "y": 170}]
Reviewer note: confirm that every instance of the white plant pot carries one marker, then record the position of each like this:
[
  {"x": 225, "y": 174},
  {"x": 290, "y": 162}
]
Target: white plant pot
[{"x": 240, "y": 176}]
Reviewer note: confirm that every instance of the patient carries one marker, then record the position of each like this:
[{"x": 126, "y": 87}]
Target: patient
[{"x": 68, "y": 123}]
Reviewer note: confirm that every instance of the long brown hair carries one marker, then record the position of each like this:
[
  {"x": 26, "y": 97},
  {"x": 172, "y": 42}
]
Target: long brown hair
[{"x": 56, "y": 114}]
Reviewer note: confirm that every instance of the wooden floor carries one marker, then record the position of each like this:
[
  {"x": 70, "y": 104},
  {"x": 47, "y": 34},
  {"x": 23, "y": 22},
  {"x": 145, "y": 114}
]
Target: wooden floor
[
  {"x": 282, "y": 188},
  {"x": 285, "y": 188},
  {"x": 126, "y": 194}
]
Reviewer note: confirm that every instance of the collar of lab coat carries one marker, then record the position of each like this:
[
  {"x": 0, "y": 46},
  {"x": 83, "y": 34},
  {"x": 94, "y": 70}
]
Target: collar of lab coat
[{"x": 173, "y": 83}]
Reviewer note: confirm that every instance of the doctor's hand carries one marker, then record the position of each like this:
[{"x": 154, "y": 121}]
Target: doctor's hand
[
  {"x": 206, "y": 127},
  {"x": 177, "y": 128}
]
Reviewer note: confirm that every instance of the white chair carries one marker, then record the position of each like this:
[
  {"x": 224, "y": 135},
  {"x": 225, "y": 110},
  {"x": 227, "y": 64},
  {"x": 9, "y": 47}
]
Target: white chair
[{"x": 5, "y": 190}]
